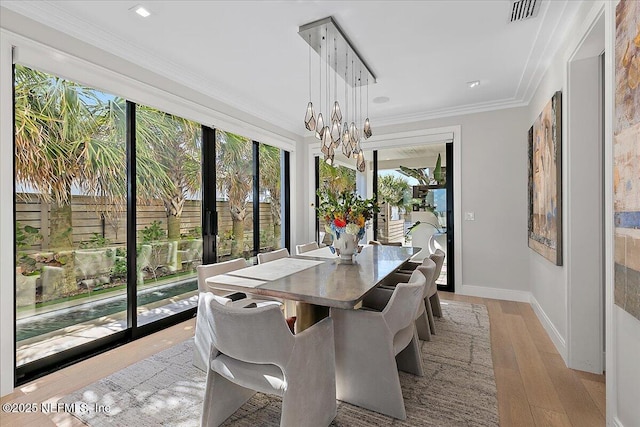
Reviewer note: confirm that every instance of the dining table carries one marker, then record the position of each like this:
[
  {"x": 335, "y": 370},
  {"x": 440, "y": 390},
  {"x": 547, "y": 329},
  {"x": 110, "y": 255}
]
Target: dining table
[{"x": 317, "y": 280}]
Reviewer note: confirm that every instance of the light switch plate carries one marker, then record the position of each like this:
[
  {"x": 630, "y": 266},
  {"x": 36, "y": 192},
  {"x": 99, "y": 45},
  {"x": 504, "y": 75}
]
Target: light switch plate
[{"x": 469, "y": 216}]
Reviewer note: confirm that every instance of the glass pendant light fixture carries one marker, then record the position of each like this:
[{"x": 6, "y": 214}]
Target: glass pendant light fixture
[
  {"x": 360, "y": 161},
  {"x": 309, "y": 118},
  {"x": 320, "y": 127},
  {"x": 366, "y": 128},
  {"x": 333, "y": 125}
]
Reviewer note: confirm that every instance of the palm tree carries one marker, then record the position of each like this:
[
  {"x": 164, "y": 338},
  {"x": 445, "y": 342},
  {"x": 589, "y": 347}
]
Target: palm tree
[
  {"x": 337, "y": 179},
  {"x": 173, "y": 143},
  {"x": 234, "y": 161},
  {"x": 270, "y": 180},
  {"x": 394, "y": 190},
  {"x": 55, "y": 127}
]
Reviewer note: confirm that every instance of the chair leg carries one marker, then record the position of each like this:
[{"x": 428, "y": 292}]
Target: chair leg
[
  {"x": 221, "y": 399},
  {"x": 410, "y": 360},
  {"x": 435, "y": 305},
  {"x": 422, "y": 326},
  {"x": 369, "y": 380},
  {"x": 198, "y": 362},
  {"x": 306, "y": 406},
  {"x": 429, "y": 310}
]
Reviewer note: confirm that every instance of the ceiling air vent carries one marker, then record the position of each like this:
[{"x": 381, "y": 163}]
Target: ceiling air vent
[{"x": 524, "y": 9}]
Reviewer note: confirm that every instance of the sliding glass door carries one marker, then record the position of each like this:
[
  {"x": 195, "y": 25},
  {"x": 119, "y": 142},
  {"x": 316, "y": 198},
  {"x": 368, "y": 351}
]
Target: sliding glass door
[
  {"x": 234, "y": 196},
  {"x": 71, "y": 217},
  {"x": 415, "y": 193},
  {"x": 168, "y": 213}
]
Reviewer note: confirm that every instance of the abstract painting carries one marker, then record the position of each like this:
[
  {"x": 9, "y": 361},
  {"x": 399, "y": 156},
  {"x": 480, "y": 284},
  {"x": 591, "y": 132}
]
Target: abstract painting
[
  {"x": 626, "y": 158},
  {"x": 545, "y": 182}
]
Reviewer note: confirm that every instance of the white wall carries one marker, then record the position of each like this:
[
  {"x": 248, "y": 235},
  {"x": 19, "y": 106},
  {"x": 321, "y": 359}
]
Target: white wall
[
  {"x": 7, "y": 266},
  {"x": 494, "y": 182},
  {"x": 549, "y": 283},
  {"x": 584, "y": 215}
]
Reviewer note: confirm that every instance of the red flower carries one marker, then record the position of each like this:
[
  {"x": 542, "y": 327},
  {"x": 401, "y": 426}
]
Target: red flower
[{"x": 340, "y": 222}]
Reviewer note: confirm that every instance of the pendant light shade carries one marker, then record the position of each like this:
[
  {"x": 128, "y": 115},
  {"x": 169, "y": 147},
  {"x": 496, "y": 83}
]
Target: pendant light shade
[
  {"x": 335, "y": 134},
  {"x": 336, "y": 114},
  {"x": 366, "y": 130},
  {"x": 330, "y": 157},
  {"x": 309, "y": 118},
  {"x": 320, "y": 127},
  {"x": 346, "y": 146},
  {"x": 327, "y": 147},
  {"x": 360, "y": 162},
  {"x": 355, "y": 137}
]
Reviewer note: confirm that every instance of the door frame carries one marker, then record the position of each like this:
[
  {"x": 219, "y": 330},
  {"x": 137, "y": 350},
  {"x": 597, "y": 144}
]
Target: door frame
[{"x": 406, "y": 139}]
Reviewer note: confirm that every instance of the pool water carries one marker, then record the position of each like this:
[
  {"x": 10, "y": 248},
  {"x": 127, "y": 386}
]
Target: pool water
[{"x": 40, "y": 325}]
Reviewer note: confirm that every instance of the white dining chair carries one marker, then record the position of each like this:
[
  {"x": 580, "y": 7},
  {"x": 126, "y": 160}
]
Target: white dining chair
[
  {"x": 432, "y": 295},
  {"x": 202, "y": 335},
  {"x": 425, "y": 323},
  {"x": 420, "y": 237},
  {"x": 273, "y": 255},
  {"x": 306, "y": 247},
  {"x": 209, "y": 270},
  {"x": 254, "y": 350},
  {"x": 372, "y": 345}
]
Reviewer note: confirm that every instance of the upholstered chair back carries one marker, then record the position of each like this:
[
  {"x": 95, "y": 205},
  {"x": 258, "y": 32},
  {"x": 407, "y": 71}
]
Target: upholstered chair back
[
  {"x": 402, "y": 307},
  {"x": 253, "y": 335},
  {"x": 306, "y": 247},
  {"x": 273, "y": 255},
  {"x": 210, "y": 270},
  {"x": 438, "y": 258},
  {"x": 428, "y": 269}
]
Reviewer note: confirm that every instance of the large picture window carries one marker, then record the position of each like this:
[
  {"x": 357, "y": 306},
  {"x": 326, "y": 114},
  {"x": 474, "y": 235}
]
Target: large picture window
[{"x": 110, "y": 211}]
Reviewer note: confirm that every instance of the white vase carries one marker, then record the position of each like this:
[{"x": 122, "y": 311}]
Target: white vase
[{"x": 347, "y": 244}]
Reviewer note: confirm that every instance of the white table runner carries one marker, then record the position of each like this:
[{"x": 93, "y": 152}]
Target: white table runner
[
  {"x": 234, "y": 281},
  {"x": 277, "y": 269}
]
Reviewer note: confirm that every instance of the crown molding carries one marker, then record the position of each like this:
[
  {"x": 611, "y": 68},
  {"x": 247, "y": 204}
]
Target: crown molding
[
  {"x": 449, "y": 112},
  {"x": 549, "y": 45}
]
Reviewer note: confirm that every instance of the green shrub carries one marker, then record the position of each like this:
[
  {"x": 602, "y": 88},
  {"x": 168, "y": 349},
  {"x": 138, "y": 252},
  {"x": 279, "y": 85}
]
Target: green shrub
[{"x": 153, "y": 232}]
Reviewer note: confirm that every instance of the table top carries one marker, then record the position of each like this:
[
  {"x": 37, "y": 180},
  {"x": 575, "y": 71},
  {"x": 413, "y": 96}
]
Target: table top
[{"x": 315, "y": 278}]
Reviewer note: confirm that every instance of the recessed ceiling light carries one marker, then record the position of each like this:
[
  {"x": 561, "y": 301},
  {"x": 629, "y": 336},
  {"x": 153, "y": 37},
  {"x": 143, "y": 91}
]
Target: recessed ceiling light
[
  {"x": 474, "y": 83},
  {"x": 380, "y": 99},
  {"x": 140, "y": 10}
]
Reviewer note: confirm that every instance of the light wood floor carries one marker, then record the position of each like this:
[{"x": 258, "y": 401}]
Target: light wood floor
[{"x": 535, "y": 388}]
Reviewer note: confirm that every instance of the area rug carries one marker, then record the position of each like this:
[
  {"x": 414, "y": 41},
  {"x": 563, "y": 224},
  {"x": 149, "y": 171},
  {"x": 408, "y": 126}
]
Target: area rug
[{"x": 458, "y": 388}]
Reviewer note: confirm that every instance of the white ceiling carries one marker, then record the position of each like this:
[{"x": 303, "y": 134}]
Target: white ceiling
[{"x": 248, "y": 53}]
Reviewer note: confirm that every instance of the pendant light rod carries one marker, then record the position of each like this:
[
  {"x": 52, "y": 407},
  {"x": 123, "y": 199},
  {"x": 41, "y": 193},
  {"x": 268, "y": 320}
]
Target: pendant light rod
[{"x": 313, "y": 32}]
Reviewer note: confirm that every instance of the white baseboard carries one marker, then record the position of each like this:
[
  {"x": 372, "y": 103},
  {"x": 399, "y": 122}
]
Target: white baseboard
[
  {"x": 494, "y": 293},
  {"x": 553, "y": 333}
]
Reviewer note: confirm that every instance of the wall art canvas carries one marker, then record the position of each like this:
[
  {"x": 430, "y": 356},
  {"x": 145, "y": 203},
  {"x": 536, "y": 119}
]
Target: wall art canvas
[
  {"x": 626, "y": 157},
  {"x": 545, "y": 182}
]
